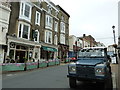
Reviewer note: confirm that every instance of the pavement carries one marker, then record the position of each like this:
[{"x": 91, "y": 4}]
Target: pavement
[{"x": 115, "y": 76}]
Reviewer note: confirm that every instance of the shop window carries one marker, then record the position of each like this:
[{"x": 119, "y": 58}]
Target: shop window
[
  {"x": 22, "y": 47},
  {"x": 36, "y": 55},
  {"x": 11, "y": 54},
  {"x": 30, "y": 55},
  {"x": 18, "y": 47}
]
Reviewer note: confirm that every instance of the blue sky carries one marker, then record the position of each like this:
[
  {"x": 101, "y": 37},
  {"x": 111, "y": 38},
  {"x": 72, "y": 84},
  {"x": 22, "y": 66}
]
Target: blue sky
[{"x": 92, "y": 17}]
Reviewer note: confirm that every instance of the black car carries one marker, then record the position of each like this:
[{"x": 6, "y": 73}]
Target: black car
[{"x": 92, "y": 65}]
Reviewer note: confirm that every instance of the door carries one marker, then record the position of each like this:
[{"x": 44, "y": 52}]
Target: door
[{"x": 19, "y": 56}]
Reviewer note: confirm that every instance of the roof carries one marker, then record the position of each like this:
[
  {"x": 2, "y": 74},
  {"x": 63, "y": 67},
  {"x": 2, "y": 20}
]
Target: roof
[
  {"x": 63, "y": 10},
  {"x": 94, "y": 48}
]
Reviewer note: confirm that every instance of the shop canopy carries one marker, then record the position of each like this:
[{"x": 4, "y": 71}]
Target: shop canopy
[{"x": 49, "y": 49}]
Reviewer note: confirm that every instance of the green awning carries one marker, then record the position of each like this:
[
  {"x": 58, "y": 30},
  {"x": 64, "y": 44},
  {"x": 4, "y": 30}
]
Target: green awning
[{"x": 49, "y": 49}]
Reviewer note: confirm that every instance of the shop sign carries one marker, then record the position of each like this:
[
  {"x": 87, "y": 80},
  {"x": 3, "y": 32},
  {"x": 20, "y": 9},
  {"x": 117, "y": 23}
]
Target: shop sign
[{"x": 49, "y": 49}]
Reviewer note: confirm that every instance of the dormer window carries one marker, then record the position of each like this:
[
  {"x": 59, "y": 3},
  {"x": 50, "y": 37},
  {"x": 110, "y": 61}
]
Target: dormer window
[
  {"x": 49, "y": 9},
  {"x": 56, "y": 13},
  {"x": 62, "y": 18}
]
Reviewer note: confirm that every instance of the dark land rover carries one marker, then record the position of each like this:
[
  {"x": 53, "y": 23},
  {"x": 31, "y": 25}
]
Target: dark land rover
[{"x": 92, "y": 65}]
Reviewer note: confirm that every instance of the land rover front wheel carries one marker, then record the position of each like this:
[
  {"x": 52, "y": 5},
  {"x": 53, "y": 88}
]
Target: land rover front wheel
[{"x": 72, "y": 82}]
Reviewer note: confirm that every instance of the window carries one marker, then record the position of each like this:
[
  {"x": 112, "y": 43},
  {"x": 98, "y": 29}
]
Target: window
[
  {"x": 49, "y": 9},
  {"x": 56, "y": 26},
  {"x": 56, "y": 13},
  {"x": 37, "y": 19},
  {"x": 62, "y": 38},
  {"x": 36, "y": 35},
  {"x": 24, "y": 30},
  {"x": 49, "y": 22},
  {"x": 62, "y": 27},
  {"x": 48, "y": 37},
  {"x": 55, "y": 39},
  {"x": 62, "y": 18},
  {"x": 25, "y": 11}
]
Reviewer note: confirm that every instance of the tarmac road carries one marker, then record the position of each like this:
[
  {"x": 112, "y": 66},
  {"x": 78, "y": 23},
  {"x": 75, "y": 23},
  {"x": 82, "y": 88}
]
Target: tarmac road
[{"x": 51, "y": 77}]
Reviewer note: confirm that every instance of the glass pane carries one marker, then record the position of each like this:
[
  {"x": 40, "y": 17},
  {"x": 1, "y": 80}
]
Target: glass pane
[
  {"x": 11, "y": 54},
  {"x": 27, "y": 10},
  {"x": 37, "y": 17},
  {"x": 25, "y": 32},
  {"x": 20, "y": 30}
]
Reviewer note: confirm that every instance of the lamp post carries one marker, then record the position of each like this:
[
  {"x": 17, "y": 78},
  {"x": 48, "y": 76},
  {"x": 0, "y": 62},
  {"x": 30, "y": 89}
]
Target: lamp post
[
  {"x": 113, "y": 27},
  {"x": 114, "y": 33}
]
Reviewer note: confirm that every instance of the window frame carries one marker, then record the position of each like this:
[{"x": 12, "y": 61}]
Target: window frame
[
  {"x": 38, "y": 35},
  {"x": 48, "y": 25},
  {"x": 62, "y": 27},
  {"x": 37, "y": 23},
  {"x": 55, "y": 40},
  {"x": 62, "y": 38},
  {"x": 56, "y": 26},
  {"x": 47, "y": 33},
  {"x": 22, "y": 26},
  {"x": 22, "y": 11}
]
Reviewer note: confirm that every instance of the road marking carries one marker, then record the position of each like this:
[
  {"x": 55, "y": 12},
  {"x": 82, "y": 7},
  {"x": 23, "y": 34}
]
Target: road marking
[
  {"x": 114, "y": 80},
  {"x": 10, "y": 74}
]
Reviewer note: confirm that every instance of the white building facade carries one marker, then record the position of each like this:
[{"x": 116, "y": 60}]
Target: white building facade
[{"x": 4, "y": 22}]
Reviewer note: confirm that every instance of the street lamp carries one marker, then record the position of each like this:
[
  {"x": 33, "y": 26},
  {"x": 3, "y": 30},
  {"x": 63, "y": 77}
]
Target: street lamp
[
  {"x": 114, "y": 33},
  {"x": 113, "y": 27}
]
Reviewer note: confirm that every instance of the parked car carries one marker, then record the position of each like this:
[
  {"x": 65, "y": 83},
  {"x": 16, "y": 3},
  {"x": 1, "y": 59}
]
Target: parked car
[
  {"x": 92, "y": 65},
  {"x": 73, "y": 59}
]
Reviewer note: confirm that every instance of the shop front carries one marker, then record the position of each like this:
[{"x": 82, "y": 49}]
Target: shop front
[
  {"x": 63, "y": 52},
  {"x": 48, "y": 53},
  {"x": 20, "y": 51}
]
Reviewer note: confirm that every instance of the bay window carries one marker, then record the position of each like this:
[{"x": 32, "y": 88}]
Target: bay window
[
  {"x": 24, "y": 30},
  {"x": 25, "y": 11}
]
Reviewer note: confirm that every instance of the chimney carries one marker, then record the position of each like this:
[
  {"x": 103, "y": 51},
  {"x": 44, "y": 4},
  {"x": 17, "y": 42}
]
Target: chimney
[{"x": 84, "y": 35}]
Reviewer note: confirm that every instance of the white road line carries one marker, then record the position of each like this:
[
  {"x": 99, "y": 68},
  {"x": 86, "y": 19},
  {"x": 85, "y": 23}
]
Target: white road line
[{"x": 10, "y": 74}]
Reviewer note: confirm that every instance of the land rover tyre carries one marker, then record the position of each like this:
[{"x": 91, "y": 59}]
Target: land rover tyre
[{"x": 72, "y": 82}]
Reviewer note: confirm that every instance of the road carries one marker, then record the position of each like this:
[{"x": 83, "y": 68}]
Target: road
[{"x": 51, "y": 77}]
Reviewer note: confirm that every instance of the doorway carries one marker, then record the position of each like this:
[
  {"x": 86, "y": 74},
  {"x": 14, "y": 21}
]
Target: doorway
[{"x": 21, "y": 55}]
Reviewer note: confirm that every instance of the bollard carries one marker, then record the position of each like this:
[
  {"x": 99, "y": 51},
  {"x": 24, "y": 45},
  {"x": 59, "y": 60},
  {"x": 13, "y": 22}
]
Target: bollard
[{"x": 38, "y": 64}]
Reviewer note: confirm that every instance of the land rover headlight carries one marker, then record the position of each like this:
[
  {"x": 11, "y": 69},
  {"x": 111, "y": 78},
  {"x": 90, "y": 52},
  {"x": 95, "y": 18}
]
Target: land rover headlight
[
  {"x": 99, "y": 71},
  {"x": 72, "y": 69}
]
